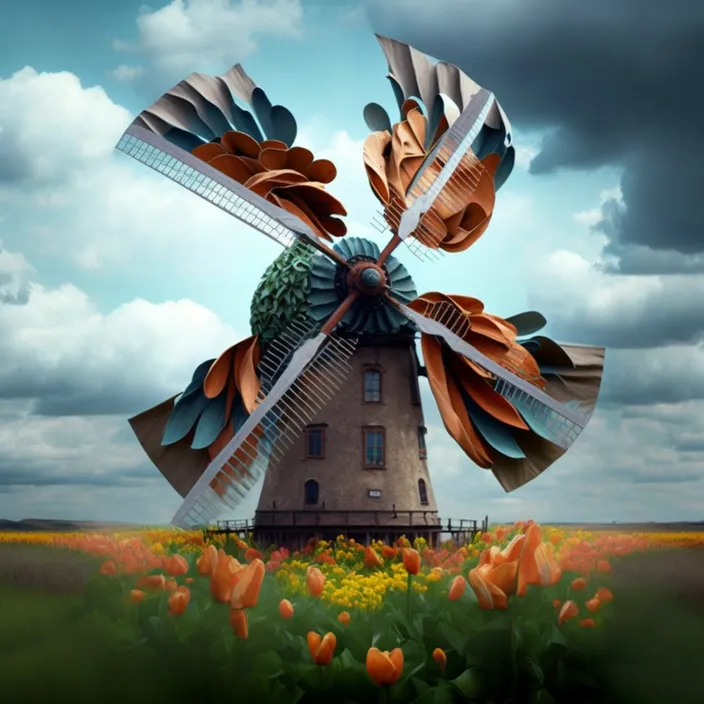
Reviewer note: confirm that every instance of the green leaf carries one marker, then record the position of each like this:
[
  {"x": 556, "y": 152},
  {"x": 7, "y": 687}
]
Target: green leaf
[
  {"x": 456, "y": 640},
  {"x": 542, "y": 696},
  {"x": 553, "y": 637},
  {"x": 529, "y": 641},
  {"x": 269, "y": 664},
  {"x": 535, "y": 671},
  {"x": 421, "y": 685},
  {"x": 443, "y": 694},
  {"x": 253, "y": 688},
  {"x": 469, "y": 683},
  {"x": 427, "y": 697}
]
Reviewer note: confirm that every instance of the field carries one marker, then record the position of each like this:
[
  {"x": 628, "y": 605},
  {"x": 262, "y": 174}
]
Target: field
[{"x": 88, "y": 615}]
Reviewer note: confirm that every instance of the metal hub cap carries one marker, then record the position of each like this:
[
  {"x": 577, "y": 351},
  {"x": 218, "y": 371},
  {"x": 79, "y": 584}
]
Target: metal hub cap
[{"x": 371, "y": 277}]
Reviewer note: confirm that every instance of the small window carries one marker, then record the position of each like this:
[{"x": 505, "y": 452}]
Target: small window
[
  {"x": 311, "y": 492},
  {"x": 422, "y": 448},
  {"x": 372, "y": 386},
  {"x": 423, "y": 492},
  {"x": 374, "y": 493},
  {"x": 315, "y": 443},
  {"x": 373, "y": 447}
]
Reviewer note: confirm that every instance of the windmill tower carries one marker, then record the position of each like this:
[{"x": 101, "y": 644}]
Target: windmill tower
[
  {"x": 360, "y": 465},
  {"x": 322, "y": 398}
]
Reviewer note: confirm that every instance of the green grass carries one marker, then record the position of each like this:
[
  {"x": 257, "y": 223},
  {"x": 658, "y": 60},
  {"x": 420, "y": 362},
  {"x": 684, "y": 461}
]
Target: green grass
[{"x": 55, "y": 649}]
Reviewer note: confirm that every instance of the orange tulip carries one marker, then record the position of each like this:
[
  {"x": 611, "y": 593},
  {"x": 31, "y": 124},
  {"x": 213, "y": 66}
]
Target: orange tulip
[
  {"x": 108, "y": 568},
  {"x": 207, "y": 562},
  {"x": 245, "y": 594},
  {"x": 388, "y": 552},
  {"x": 153, "y": 581},
  {"x": 578, "y": 584},
  {"x": 587, "y": 623},
  {"x": 440, "y": 657},
  {"x": 321, "y": 648},
  {"x": 528, "y": 572},
  {"x": 315, "y": 580},
  {"x": 178, "y": 601},
  {"x": 549, "y": 572},
  {"x": 372, "y": 559},
  {"x": 252, "y": 554},
  {"x": 344, "y": 618},
  {"x": 188, "y": 580},
  {"x": 174, "y": 565},
  {"x": 603, "y": 566},
  {"x": 411, "y": 560},
  {"x": 285, "y": 609},
  {"x": 385, "y": 667},
  {"x": 459, "y": 584},
  {"x": 557, "y": 603},
  {"x": 224, "y": 577},
  {"x": 488, "y": 594},
  {"x": 136, "y": 595},
  {"x": 238, "y": 623},
  {"x": 569, "y": 610},
  {"x": 504, "y": 576},
  {"x": 604, "y": 595},
  {"x": 593, "y": 605}
]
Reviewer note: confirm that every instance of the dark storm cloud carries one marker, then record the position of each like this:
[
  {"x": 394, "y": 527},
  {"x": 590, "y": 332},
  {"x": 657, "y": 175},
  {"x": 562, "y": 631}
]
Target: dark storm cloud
[
  {"x": 74, "y": 392},
  {"x": 615, "y": 82},
  {"x": 33, "y": 474}
]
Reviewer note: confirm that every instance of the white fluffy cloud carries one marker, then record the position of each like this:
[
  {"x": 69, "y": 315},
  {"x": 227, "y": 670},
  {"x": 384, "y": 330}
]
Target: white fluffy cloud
[
  {"x": 125, "y": 73},
  {"x": 75, "y": 201},
  {"x": 60, "y": 349},
  {"x": 195, "y": 35},
  {"x": 53, "y": 126}
]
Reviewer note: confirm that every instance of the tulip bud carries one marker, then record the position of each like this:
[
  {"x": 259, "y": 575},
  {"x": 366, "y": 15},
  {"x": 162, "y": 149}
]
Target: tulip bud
[
  {"x": 321, "y": 648},
  {"x": 383, "y": 667},
  {"x": 285, "y": 609},
  {"x": 569, "y": 610},
  {"x": 315, "y": 580},
  {"x": 459, "y": 584},
  {"x": 238, "y": 622},
  {"x": 411, "y": 560},
  {"x": 440, "y": 658}
]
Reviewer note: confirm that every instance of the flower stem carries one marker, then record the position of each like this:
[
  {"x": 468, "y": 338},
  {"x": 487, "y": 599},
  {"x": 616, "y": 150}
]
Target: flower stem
[{"x": 408, "y": 599}]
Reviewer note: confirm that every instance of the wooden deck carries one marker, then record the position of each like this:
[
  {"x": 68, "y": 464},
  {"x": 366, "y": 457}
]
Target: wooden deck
[{"x": 295, "y": 528}]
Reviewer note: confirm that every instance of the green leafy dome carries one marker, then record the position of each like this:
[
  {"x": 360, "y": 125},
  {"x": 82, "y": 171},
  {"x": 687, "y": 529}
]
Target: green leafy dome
[{"x": 282, "y": 293}]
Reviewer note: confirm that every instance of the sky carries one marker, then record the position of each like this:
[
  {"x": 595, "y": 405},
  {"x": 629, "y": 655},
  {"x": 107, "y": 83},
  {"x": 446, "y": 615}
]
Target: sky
[{"x": 115, "y": 283}]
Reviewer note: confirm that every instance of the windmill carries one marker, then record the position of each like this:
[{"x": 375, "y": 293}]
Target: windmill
[{"x": 322, "y": 400}]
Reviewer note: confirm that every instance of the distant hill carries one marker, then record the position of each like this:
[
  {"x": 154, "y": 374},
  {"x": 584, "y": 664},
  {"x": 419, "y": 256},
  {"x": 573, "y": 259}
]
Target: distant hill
[{"x": 58, "y": 526}]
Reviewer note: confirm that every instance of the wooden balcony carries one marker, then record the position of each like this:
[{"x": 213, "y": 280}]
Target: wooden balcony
[{"x": 346, "y": 519}]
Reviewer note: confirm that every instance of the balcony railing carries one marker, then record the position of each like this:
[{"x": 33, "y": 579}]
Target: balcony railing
[
  {"x": 353, "y": 519},
  {"x": 313, "y": 517}
]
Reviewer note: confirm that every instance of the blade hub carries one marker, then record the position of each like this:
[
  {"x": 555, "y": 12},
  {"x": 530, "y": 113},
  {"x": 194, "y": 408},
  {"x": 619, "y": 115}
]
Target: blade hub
[{"x": 368, "y": 278}]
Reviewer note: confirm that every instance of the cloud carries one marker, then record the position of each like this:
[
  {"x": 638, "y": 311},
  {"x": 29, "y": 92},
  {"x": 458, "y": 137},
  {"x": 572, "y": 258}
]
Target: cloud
[
  {"x": 199, "y": 35},
  {"x": 52, "y": 126},
  {"x": 61, "y": 352},
  {"x": 601, "y": 79},
  {"x": 14, "y": 277},
  {"x": 125, "y": 73},
  {"x": 620, "y": 453},
  {"x": 585, "y": 303}
]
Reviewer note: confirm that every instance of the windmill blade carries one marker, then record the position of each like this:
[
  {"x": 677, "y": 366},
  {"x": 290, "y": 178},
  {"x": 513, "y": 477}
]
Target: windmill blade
[
  {"x": 542, "y": 412},
  {"x": 433, "y": 181},
  {"x": 315, "y": 372},
  {"x": 212, "y": 185}
]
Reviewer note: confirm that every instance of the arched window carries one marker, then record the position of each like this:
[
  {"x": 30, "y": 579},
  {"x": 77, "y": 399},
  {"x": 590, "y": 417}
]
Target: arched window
[
  {"x": 372, "y": 386},
  {"x": 423, "y": 492},
  {"x": 310, "y": 489}
]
